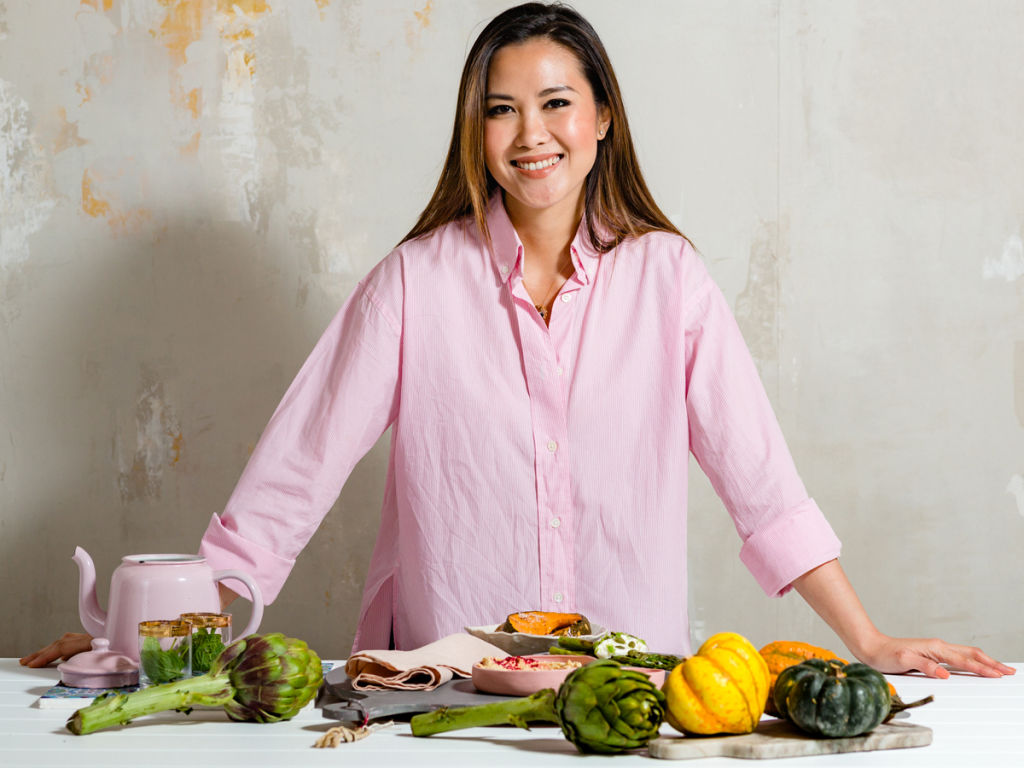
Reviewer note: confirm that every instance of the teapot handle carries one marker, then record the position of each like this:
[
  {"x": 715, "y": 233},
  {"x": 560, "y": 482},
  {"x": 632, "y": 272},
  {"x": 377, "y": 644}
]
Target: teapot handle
[{"x": 255, "y": 595}]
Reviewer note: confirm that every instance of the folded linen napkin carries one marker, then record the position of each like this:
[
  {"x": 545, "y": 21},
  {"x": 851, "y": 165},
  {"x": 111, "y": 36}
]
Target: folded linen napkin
[{"x": 422, "y": 669}]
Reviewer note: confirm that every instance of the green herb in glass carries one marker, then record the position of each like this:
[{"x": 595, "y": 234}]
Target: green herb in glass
[
  {"x": 210, "y": 633},
  {"x": 206, "y": 647},
  {"x": 164, "y": 651},
  {"x": 161, "y": 666}
]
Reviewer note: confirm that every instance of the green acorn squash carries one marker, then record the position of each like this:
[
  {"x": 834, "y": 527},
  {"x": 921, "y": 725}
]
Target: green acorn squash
[{"x": 826, "y": 697}]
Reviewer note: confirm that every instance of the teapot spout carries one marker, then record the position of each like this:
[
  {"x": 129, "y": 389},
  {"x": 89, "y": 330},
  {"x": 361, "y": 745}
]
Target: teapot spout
[{"x": 94, "y": 618}]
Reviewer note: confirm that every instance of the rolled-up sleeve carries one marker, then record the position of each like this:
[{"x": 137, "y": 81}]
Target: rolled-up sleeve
[
  {"x": 736, "y": 439},
  {"x": 225, "y": 549},
  {"x": 788, "y": 547},
  {"x": 341, "y": 401}
]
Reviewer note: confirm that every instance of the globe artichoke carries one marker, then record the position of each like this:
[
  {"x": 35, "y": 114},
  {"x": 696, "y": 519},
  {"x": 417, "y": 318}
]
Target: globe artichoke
[
  {"x": 261, "y": 678},
  {"x": 601, "y": 707},
  {"x": 605, "y": 708}
]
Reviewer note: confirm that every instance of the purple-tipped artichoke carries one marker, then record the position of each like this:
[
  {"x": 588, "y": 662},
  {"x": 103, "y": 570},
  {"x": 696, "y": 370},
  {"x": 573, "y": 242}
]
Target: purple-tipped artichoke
[
  {"x": 261, "y": 678},
  {"x": 601, "y": 707}
]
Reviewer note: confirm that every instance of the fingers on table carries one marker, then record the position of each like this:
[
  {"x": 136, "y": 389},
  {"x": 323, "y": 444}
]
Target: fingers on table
[{"x": 65, "y": 647}]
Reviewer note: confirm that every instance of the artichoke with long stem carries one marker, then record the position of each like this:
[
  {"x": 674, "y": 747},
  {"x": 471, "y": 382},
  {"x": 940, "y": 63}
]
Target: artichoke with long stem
[
  {"x": 601, "y": 707},
  {"x": 261, "y": 678}
]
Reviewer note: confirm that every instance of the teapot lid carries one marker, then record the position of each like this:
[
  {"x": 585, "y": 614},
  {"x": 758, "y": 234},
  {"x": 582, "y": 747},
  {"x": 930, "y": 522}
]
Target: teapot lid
[
  {"x": 99, "y": 668},
  {"x": 166, "y": 559}
]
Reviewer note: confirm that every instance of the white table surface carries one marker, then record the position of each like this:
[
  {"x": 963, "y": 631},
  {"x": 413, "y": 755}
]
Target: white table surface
[{"x": 977, "y": 723}]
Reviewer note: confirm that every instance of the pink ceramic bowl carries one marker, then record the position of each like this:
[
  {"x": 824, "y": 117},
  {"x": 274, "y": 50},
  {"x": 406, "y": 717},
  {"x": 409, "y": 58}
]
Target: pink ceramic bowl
[{"x": 523, "y": 682}]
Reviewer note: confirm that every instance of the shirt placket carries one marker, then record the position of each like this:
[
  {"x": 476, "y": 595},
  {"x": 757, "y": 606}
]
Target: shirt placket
[{"x": 545, "y": 352}]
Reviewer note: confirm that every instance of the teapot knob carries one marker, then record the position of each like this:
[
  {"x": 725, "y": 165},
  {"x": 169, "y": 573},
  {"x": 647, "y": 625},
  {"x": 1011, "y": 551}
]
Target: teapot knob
[{"x": 100, "y": 644}]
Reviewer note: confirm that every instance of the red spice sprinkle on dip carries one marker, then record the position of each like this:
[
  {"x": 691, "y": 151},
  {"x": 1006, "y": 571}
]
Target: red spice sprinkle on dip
[{"x": 525, "y": 662}]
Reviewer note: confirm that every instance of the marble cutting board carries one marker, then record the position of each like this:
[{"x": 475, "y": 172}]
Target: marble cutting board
[{"x": 777, "y": 738}]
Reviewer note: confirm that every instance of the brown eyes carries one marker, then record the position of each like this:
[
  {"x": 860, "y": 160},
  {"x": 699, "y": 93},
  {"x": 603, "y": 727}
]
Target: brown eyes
[{"x": 505, "y": 109}]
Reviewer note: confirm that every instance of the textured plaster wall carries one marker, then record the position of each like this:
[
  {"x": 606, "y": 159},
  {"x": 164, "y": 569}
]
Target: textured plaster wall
[{"x": 190, "y": 188}]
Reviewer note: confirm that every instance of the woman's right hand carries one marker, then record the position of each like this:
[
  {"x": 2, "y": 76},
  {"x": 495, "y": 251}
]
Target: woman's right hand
[{"x": 64, "y": 648}]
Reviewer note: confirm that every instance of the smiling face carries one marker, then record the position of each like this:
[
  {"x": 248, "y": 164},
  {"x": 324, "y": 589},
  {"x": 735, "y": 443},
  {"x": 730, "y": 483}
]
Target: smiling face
[{"x": 541, "y": 128}]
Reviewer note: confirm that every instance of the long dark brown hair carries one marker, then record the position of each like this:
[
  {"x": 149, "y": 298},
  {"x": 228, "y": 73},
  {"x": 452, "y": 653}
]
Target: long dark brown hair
[{"x": 618, "y": 203}]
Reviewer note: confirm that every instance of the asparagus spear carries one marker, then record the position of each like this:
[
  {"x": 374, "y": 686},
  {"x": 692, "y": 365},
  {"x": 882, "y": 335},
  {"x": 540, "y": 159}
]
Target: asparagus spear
[{"x": 632, "y": 657}]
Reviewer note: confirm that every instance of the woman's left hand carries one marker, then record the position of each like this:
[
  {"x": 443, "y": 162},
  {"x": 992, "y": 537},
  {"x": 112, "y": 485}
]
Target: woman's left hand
[
  {"x": 827, "y": 590},
  {"x": 904, "y": 654}
]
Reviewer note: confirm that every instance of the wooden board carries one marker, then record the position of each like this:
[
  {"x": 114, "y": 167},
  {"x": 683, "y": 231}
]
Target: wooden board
[{"x": 777, "y": 738}]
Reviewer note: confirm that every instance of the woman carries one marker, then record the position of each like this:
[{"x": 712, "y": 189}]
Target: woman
[{"x": 547, "y": 349}]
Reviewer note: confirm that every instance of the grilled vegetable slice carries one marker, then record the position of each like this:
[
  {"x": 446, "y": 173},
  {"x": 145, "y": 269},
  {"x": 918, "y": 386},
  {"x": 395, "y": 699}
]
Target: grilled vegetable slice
[{"x": 546, "y": 623}]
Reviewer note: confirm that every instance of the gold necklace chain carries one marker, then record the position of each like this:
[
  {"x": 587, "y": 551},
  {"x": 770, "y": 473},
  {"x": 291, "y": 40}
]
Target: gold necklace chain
[{"x": 542, "y": 308}]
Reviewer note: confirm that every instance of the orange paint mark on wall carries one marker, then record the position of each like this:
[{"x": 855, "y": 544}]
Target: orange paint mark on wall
[
  {"x": 98, "y": 70},
  {"x": 62, "y": 133},
  {"x": 235, "y": 21},
  {"x": 99, "y": 202},
  {"x": 130, "y": 221},
  {"x": 84, "y": 91},
  {"x": 177, "y": 441},
  {"x": 99, "y": 5},
  {"x": 192, "y": 147},
  {"x": 422, "y": 21},
  {"x": 182, "y": 26},
  {"x": 248, "y": 7},
  {"x": 322, "y": 5},
  {"x": 101, "y": 67},
  {"x": 424, "y": 16},
  {"x": 192, "y": 102},
  {"x": 189, "y": 101},
  {"x": 237, "y": 17},
  {"x": 92, "y": 204}
]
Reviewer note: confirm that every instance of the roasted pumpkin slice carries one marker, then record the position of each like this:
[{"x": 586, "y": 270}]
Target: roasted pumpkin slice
[{"x": 546, "y": 623}]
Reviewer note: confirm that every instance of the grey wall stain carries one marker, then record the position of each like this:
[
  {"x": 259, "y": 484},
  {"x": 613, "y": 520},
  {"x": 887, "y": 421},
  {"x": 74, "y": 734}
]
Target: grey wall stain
[
  {"x": 12, "y": 284},
  {"x": 302, "y": 234},
  {"x": 26, "y": 178},
  {"x": 757, "y": 306},
  {"x": 157, "y": 439},
  {"x": 290, "y": 118}
]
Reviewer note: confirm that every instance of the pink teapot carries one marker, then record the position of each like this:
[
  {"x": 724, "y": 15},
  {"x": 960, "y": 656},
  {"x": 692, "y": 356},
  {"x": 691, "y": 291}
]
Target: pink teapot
[{"x": 146, "y": 587}]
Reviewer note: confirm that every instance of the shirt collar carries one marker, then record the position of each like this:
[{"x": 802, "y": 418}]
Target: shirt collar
[{"x": 507, "y": 248}]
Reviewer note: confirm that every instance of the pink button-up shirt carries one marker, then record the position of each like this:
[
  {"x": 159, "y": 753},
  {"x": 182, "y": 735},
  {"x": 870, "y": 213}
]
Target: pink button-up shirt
[{"x": 532, "y": 467}]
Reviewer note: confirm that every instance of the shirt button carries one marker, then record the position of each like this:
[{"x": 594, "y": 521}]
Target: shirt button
[
  {"x": 558, "y": 597},
  {"x": 504, "y": 269},
  {"x": 555, "y": 522},
  {"x": 552, "y": 446},
  {"x": 559, "y": 370},
  {"x": 567, "y": 297}
]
